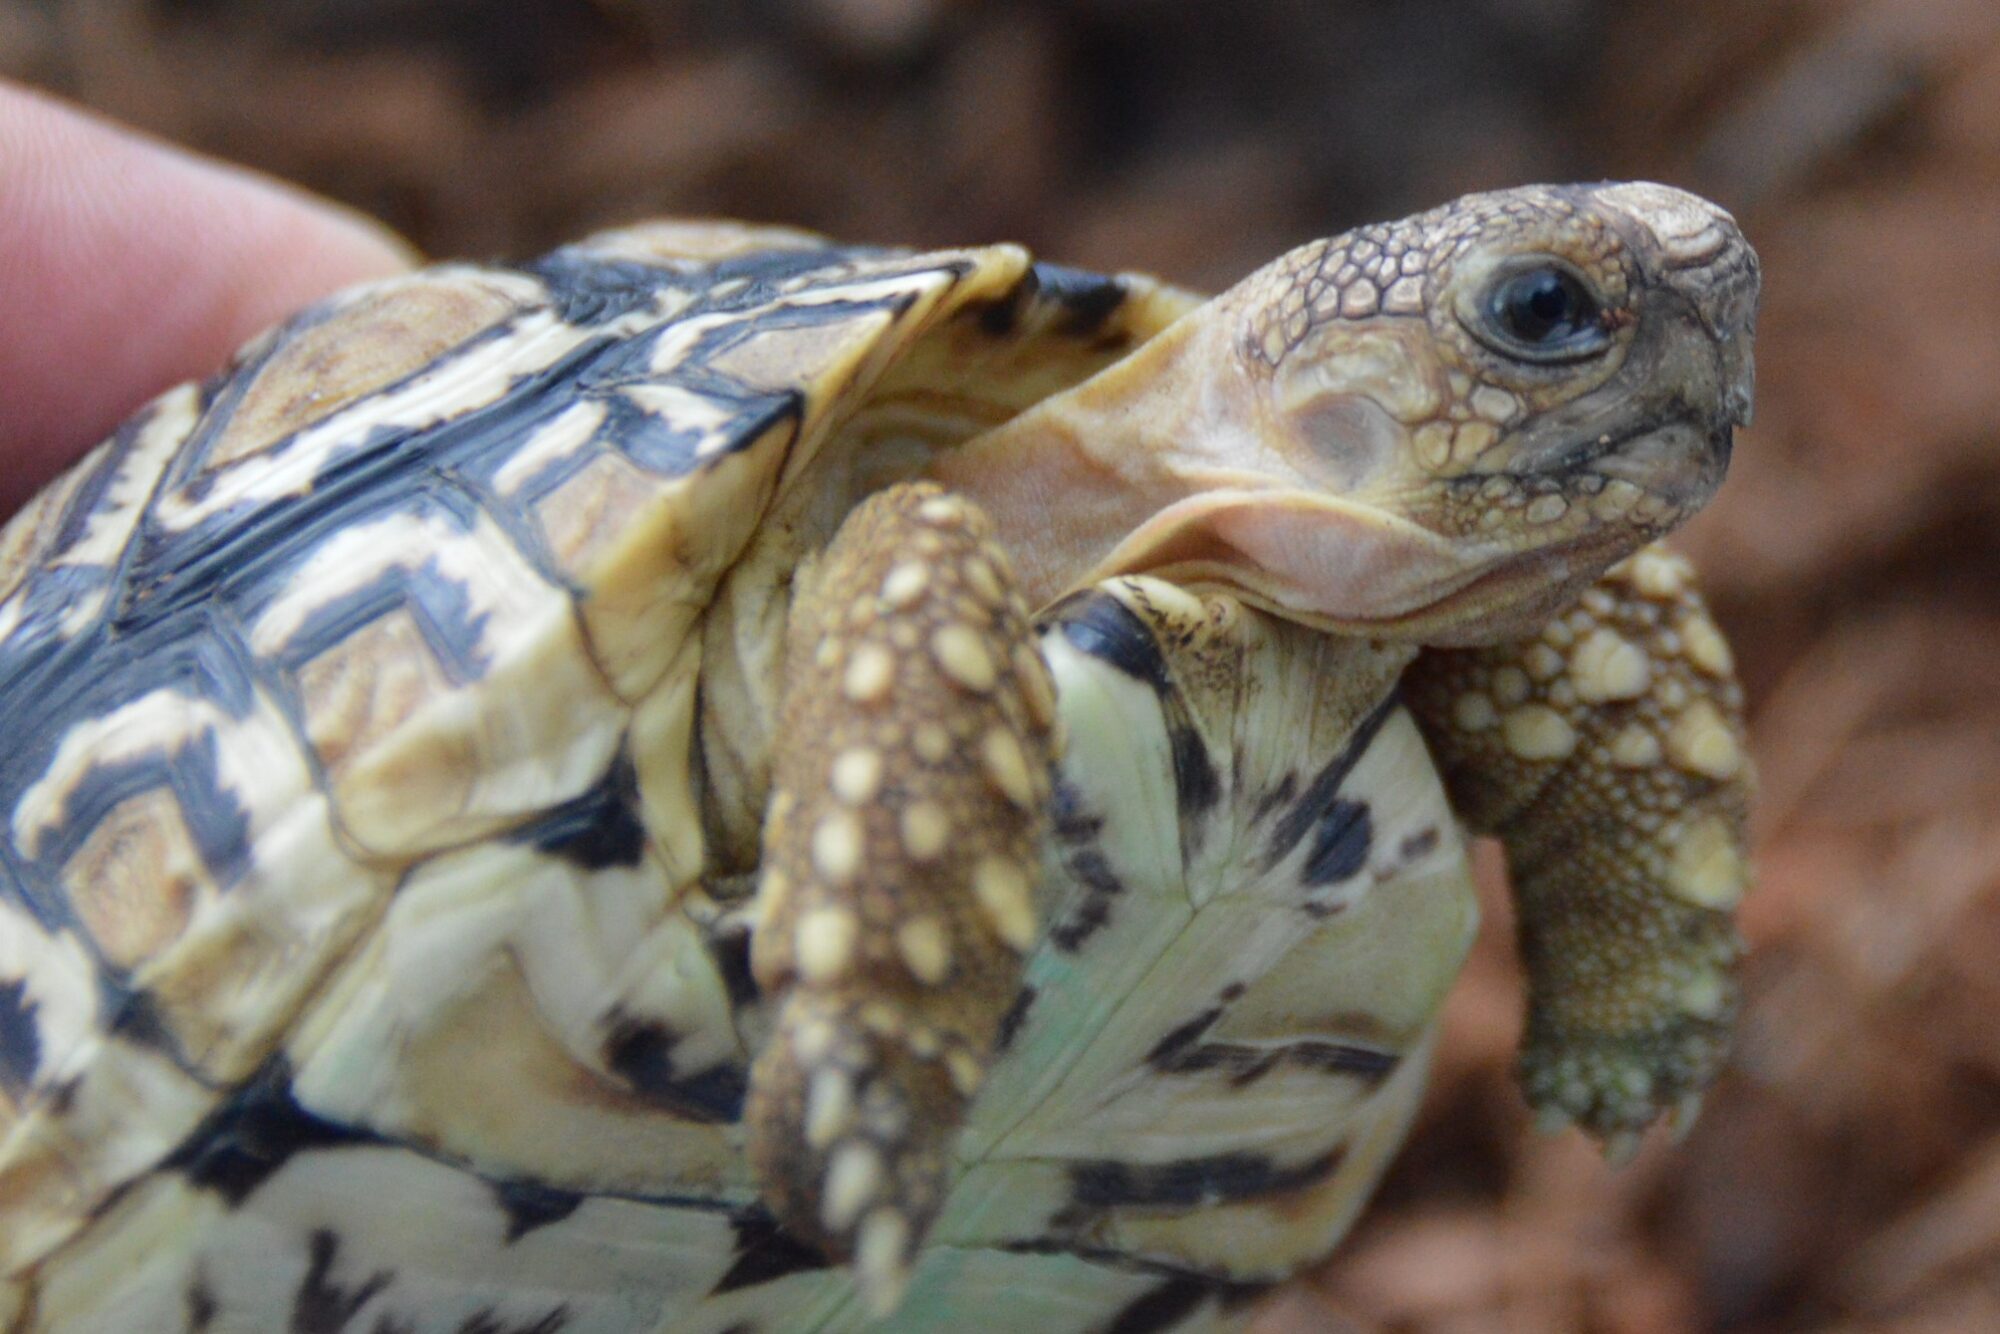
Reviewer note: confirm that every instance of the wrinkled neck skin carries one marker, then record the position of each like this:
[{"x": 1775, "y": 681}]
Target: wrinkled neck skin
[
  {"x": 1067, "y": 480},
  {"x": 1175, "y": 462}
]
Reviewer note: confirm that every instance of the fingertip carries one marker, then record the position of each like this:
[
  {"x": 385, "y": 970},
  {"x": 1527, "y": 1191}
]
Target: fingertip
[
  {"x": 1297, "y": 1308},
  {"x": 128, "y": 265}
]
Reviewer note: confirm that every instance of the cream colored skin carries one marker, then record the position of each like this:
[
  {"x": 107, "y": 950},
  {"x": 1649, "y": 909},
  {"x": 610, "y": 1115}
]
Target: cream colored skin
[{"x": 1347, "y": 441}]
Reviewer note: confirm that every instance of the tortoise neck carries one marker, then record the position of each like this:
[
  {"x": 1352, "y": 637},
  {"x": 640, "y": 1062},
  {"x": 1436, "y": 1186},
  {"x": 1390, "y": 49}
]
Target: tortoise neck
[{"x": 1068, "y": 479}]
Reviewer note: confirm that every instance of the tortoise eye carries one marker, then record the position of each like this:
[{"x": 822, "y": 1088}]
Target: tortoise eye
[{"x": 1544, "y": 314}]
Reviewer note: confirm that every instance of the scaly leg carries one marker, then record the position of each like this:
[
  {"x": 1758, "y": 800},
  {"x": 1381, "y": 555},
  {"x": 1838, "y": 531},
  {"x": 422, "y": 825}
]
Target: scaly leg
[
  {"x": 1608, "y": 755},
  {"x": 908, "y": 799}
]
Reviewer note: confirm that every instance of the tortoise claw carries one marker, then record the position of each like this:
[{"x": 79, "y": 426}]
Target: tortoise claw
[
  {"x": 882, "y": 1255},
  {"x": 1622, "y": 1146},
  {"x": 1681, "y": 1118},
  {"x": 1552, "y": 1120},
  {"x": 850, "y": 1133}
]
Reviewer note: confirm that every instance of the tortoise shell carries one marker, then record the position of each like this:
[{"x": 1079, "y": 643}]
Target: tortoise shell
[{"x": 376, "y": 896}]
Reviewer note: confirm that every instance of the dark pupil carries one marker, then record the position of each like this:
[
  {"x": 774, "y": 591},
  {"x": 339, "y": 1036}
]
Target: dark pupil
[
  {"x": 1543, "y": 307},
  {"x": 1549, "y": 302}
]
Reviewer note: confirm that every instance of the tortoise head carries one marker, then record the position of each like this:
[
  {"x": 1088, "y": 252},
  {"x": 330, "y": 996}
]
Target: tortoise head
[{"x": 1439, "y": 428}]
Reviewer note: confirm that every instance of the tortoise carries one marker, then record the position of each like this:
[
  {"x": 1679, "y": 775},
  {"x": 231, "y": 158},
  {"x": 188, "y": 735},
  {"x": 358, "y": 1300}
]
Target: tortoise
[{"x": 723, "y": 781}]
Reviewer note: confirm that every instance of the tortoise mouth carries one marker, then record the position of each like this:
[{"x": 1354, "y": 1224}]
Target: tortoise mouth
[
  {"x": 1658, "y": 456},
  {"x": 1678, "y": 463},
  {"x": 1574, "y": 459},
  {"x": 1516, "y": 596},
  {"x": 1673, "y": 468}
]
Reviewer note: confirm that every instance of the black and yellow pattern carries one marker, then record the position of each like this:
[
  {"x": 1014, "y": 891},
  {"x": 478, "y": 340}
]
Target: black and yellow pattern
[{"x": 529, "y": 809}]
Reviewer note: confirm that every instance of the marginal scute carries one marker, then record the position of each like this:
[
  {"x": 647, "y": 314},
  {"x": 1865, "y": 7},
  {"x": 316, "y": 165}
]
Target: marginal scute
[
  {"x": 582, "y": 517},
  {"x": 85, "y": 519},
  {"x": 357, "y": 345},
  {"x": 202, "y": 850},
  {"x": 405, "y": 640},
  {"x": 770, "y": 358}
]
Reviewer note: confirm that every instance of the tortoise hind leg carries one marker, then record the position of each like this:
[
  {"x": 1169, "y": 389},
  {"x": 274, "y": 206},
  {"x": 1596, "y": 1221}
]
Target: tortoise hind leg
[{"x": 908, "y": 797}]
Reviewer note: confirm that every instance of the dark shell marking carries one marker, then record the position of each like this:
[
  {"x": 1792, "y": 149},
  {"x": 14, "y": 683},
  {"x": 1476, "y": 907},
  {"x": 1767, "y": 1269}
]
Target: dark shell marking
[{"x": 191, "y": 583}]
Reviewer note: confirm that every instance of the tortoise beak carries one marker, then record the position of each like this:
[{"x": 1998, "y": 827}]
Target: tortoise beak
[
  {"x": 1698, "y": 251},
  {"x": 1739, "y": 374}
]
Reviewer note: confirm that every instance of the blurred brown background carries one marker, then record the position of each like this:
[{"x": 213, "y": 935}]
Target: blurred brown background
[{"x": 1847, "y": 1174}]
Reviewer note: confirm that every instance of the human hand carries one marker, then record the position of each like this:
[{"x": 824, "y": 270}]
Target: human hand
[{"x": 127, "y": 265}]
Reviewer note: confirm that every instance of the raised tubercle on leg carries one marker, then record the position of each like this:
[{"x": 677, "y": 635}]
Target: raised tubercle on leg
[
  {"x": 908, "y": 798},
  {"x": 1608, "y": 754}
]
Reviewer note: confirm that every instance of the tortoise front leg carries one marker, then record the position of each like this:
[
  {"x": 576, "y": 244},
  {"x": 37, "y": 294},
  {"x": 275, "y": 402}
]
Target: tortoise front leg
[
  {"x": 908, "y": 796},
  {"x": 1608, "y": 755}
]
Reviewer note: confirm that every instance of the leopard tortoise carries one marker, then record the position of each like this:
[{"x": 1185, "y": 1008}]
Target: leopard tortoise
[{"x": 719, "y": 781}]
